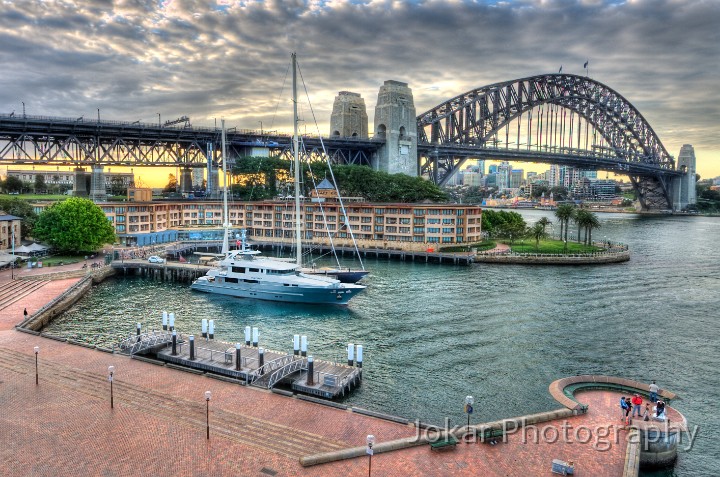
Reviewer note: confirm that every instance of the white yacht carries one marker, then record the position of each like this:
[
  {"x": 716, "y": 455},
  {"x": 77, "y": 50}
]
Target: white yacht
[{"x": 243, "y": 273}]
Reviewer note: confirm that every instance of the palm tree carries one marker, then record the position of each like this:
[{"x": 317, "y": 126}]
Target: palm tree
[
  {"x": 544, "y": 222},
  {"x": 580, "y": 217},
  {"x": 592, "y": 223},
  {"x": 537, "y": 232},
  {"x": 564, "y": 213}
]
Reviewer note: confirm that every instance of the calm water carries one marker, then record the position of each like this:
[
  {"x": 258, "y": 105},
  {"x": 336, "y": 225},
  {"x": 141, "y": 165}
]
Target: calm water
[{"x": 434, "y": 334}]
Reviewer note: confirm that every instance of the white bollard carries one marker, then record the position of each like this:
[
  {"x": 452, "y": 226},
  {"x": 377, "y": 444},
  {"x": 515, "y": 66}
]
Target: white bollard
[
  {"x": 164, "y": 320},
  {"x": 211, "y": 329},
  {"x": 172, "y": 321},
  {"x": 351, "y": 354},
  {"x": 255, "y": 336},
  {"x": 359, "y": 356},
  {"x": 203, "y": 327},
  {"x": 296, "y": 345},
  {"x": 303, "y": 345},
  {"x": 247, "y": 336}
]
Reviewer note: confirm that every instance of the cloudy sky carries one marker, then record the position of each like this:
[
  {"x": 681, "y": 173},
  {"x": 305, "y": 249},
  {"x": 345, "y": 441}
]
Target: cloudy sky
[{"x": 209, "y": 59}]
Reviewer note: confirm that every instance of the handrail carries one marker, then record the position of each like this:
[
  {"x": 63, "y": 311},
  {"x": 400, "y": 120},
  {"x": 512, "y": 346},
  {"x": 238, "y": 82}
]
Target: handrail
[
  {"x": 273, "y": 365},
  {"x": 295, "y": 366},
  {"x": 150, "y": 339}
]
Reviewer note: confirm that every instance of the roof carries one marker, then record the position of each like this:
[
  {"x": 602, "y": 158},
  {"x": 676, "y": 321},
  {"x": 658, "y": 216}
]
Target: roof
[
  {"x": 325, "y": 184},
  {"x": 8, "y": 217}
]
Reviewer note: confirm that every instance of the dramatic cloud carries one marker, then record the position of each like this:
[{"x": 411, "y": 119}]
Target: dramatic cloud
[{"x": 210, "y": 59}]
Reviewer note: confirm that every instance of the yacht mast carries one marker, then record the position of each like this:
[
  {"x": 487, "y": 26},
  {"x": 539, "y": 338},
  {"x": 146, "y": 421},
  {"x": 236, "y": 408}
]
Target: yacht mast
[
  {"x": 226, "y": 221},
  {"x": 296, "y": 158}
]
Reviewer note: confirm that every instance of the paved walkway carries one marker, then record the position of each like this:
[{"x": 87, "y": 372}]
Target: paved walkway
[{"x": 65, "y": 427}]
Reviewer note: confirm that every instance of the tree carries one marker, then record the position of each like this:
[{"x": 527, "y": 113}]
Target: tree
[
  {"x": 503, "y": 224},
  {"x": 13, "y": 184},
  {"x": 544, "y": 222},
  {"x": 39, "y": 183},
  {"x": 564, "y": 213},
  {"x": 537, "y": 232},
  {"x": 592, "y": 223},
  {"x": 172, "y": 184},
  {"x": 23, "y": 209},
  {"x": 74, "y": 225}
]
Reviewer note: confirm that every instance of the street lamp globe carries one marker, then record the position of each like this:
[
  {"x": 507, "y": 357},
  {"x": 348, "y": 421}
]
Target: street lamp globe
[
  {"x": 111, "y": 370},
  {"x": 370, "y": 440},
  {"x": 37, "y": 349},
  {"x": 208, "y": 395},
  {"x": 469, "y": 400}
]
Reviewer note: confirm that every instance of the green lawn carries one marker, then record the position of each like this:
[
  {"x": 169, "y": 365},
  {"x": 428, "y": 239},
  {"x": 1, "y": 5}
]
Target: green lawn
[
  {"x": 56, "y": 260},
  {"x": 551, "y": 246},
  {"x": 480, "y": 246},
  {"x": 53, "y": 197}
]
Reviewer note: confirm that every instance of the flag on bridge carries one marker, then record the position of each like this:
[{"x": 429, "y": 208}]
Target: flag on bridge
[
  {"x": 560, "y": 70},
  {"x": 182, "y": 259},
  {"x": 586, "y": 63}
]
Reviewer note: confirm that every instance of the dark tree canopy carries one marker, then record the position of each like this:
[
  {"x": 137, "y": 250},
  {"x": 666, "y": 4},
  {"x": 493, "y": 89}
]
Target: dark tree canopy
[
  {"x": 259, "y": 178},
  {"x": 501, "y": 223},
  {"x": 23, "y": 209},
  {"x": 74, "y": 225}
]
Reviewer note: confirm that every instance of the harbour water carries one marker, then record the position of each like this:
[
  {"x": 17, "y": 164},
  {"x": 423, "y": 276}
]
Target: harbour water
[{"x": 433, "y": 334}]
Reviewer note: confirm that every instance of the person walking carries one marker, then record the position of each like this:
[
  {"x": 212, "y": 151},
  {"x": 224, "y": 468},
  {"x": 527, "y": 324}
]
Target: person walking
[
  {"x": 25, "y": 313},
  {"x": 653, "y": 392},
  {"x": 637, "y": 402},
  {"x": 647, "y": 413},
  {"x": 623, "y": 407}
]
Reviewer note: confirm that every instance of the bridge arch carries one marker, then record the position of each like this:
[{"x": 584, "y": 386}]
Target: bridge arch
[{"x": 622, "y": 139}]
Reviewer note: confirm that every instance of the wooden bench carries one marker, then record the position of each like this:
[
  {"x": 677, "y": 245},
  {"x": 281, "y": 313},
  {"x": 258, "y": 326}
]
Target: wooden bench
[
  {"x": 448, "y": 442},
  {"x": 490, "y": 435}
]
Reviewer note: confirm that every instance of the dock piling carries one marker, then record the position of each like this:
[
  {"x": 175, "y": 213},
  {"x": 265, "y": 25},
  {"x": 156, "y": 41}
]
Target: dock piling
[
  {"x": 247, "y": 336},
  {"x": 238, "y": 357},
  {"x": 351, "y": 353},
  {"x": 211, "y": 329},
  {"x": 303, "y": 346},
  {"x": 296, "y": 345},
  {"x": 311, "y": 371},
  {"x": 204, "y": 327},
  {"x": 255, "y": 337},
  {"x": 164, "y": 320},
  {"x": 192, "y": 347},
  {"x": 359, "y": 356}
]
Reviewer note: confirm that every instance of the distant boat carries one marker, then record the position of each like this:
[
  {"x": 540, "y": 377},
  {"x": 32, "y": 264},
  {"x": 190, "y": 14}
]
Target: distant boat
[{"x": 241, "y": 273}]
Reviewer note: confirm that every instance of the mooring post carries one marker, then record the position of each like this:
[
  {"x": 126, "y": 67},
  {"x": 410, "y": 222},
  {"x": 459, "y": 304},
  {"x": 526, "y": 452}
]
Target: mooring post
[
  {"x": 204, "y": 327},
  {"x": 172, "y": 321},
  {"x": 238, "y": 358},
  {"x": 296, "y": 345},
  {"x": 211, "y": 329},
  {"x": 359, "y": 356},
  {"x": 261, "y": 359},
  {"x": 192, "y": 347},
  {"x": 303, "y": 346},
  {"x": 311, "y": 372},
  {"x": 164, "y": 320},
  {"x": 138, "y": 327},
  {"x": 174, "y": 343},
  {"x": 255, "y": 336},
  {"x": 247, "y": 336}
]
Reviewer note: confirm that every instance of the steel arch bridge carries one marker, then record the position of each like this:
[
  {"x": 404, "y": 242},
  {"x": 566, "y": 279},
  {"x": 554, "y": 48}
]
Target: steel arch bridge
[{"x": 554, "y": 118}]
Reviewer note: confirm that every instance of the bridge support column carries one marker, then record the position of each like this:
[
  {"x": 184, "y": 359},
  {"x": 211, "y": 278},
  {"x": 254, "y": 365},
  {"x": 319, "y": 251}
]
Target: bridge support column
[
  {"x": 98, "y": 192},
  {"x": 185, "y": 180},
  {"x": 683, "y": 189},
  {"x": 396, "y": 123},
  {"x": 80, "y": 183}
]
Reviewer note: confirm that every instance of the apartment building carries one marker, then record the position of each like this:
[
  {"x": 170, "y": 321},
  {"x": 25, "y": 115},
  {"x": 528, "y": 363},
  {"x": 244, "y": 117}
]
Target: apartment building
[{"x": 143, "y": 222}]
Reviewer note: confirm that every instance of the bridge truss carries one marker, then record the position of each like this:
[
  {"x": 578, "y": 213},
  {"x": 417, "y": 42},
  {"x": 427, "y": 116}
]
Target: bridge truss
[{"x": 556, "y": 118}]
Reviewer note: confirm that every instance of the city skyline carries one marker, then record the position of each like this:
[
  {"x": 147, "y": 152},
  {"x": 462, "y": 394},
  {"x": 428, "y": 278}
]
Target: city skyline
[{"x": 229, "y": 59}]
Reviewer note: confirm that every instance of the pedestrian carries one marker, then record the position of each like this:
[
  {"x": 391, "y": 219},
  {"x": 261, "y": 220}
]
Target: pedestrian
[
  {"x": 25, "y": 313},
  {"x": 628, "y": 406},
  {"x": 646, "y": 414},
  {"x": 653, "y": 391},
  {"x": 660, "y": 410},
  {"x": 623, "y": 406},
  {"x": 637, "y": 402}
]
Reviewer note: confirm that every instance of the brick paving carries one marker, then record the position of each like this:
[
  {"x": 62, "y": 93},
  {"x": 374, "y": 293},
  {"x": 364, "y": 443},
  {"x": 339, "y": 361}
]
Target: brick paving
[{"x": 65, "y": 427}]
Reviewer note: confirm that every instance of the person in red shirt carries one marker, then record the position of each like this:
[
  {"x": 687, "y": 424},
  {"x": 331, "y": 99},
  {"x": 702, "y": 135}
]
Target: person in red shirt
[{"x": 637, "y": 402}]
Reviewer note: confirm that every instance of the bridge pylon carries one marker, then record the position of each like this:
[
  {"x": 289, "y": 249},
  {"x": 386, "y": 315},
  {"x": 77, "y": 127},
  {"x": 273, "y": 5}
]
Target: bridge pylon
[{"x": 395, "y": 122}]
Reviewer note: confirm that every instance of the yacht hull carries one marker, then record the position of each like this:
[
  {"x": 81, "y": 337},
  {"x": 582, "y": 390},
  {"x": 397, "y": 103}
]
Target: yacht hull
[{"x": 311, "y": 295}]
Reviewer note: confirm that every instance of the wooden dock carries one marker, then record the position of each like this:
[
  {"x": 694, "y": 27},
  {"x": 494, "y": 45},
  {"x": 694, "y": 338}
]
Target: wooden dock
[{"x": 330, "y": 380}]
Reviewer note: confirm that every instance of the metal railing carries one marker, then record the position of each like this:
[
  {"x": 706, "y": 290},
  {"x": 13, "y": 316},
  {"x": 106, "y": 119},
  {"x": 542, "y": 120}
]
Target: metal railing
[{"x": 151, "y": 339}]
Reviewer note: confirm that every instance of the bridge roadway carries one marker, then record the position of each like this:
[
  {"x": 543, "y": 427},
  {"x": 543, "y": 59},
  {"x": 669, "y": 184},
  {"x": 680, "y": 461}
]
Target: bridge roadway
[{"x": 66, "y": 142}]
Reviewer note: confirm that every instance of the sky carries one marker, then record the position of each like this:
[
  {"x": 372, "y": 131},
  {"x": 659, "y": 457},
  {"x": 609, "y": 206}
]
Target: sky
[{"x": 135, "y": 59}]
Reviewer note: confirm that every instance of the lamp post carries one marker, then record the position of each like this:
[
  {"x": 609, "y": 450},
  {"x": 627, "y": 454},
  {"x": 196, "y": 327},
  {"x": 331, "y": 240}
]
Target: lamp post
[
  {"x": 37, "y": 379},
  {"x": 370, "y": 441},
  {"x": 468, "y": 409},
  {"x": 159, "y": 121},
  {"x": 111, "y": 371},
  {"x": 208, "y": 395},
  {"x": 23, "y": 103}
]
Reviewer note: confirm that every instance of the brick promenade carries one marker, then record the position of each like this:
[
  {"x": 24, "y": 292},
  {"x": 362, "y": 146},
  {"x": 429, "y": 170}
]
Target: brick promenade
[{"x": 65, "y": 427}]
